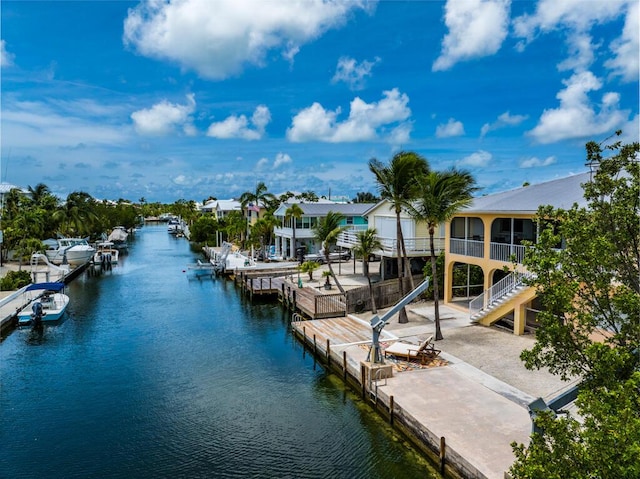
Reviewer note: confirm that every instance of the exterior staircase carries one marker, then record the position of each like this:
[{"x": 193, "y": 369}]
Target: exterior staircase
[{"x": 500, "y": 299}]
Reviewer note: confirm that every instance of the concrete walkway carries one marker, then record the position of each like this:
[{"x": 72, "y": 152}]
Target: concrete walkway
[{"x": 478, "y": 401}]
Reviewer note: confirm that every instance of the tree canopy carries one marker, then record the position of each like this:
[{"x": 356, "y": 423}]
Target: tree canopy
[{"x": 589, "y": 324}]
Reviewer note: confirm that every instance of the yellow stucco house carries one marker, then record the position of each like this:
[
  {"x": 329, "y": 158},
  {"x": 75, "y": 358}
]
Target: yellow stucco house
[{"x": 489, "y": 235}]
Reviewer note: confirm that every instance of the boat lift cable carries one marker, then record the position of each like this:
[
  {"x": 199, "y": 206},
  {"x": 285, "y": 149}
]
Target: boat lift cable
[{"x": 379, "y": 322}]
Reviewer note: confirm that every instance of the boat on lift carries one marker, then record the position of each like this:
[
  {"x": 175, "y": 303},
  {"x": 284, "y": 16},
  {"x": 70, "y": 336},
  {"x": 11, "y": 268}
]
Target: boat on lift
[
  {"x": 118, "y": 237},
  {"x": 106, "y": 254},
  {"x": 73, "y": 251}
]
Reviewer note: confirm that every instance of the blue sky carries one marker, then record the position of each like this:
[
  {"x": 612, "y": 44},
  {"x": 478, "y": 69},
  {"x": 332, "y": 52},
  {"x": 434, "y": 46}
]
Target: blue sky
[{"x": 196, "y": 98}]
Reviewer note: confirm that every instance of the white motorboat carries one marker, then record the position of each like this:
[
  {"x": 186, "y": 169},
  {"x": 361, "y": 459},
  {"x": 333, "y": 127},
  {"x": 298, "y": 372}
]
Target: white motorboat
[
  {"x": 175, "y": 226},
  {"x": 106, "y": 254},
  {"x": 73, "y": 251},
  {"x": 47, "y": 300}
]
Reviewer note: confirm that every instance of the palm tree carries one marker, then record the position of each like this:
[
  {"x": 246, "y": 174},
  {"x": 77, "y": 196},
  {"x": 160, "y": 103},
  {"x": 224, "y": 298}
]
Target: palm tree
[
  {"x": 293, "y": 213},
  {"x": 260, "y": 196},
  {"x": 262, "y": 231},
  {"x": 326, "y": 232},
  {"x": 442, "y": 195},
  {"x": 39, "y": 193},
  {"x": 397, "y": 184},
  {"x": 77, "y": 215},
  {"x": 367, "y": 244}
]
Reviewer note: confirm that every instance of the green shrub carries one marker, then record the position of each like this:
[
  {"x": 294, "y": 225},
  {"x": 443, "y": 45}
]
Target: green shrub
[{"x": 15, "y": 280}]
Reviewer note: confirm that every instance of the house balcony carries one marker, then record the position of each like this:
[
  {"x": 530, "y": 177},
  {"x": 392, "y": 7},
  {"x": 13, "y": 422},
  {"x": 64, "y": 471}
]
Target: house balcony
[
  {"x": 414, "y": 246},
  {"x": 301, "y": 233},
  {"x": 504, "y": 252}
]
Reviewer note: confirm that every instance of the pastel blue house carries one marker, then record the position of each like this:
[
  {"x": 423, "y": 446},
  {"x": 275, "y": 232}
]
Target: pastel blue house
[{"x": 354, "y": 217}]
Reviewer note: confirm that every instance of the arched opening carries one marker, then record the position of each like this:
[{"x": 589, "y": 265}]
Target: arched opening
[{"x": 467, "y": 282}]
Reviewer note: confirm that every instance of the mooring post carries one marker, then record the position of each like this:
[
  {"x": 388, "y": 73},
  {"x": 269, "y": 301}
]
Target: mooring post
[
  {"x": 315, "y": 348},
  {"x": 344, "y": 365},
  {"x": 391, "y": 410},
  {"x": 363, "y": 375},
  {"x": 443, "y": 447},
  {"x": 328, "y": 353}
]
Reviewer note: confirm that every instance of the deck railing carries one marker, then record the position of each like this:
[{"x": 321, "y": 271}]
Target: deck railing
[
  {"x": 465, "y": 247},
  {"x": 414, "y": 246},
  {"x": 490, "y": 296},
  {"x": 507, "y": 252}
]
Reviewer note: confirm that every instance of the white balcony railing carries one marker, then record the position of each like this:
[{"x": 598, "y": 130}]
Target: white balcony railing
[
  {"x": 414, "y": 246},
  {"x": 464, "y": 247},
  {"x": 504, "y": 252},
  {"x": 497, "y": 251},
  {"x": 301, "y": 233}
]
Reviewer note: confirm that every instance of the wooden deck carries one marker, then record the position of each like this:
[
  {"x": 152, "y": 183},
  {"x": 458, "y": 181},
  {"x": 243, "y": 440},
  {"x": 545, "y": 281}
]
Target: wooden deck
[
  {"x": 311, "y": 302},
  {"x": 339, "y": 331}
]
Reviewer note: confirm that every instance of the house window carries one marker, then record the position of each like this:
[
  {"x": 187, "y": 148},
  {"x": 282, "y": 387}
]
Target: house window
[{"x": 349, "y": 220}]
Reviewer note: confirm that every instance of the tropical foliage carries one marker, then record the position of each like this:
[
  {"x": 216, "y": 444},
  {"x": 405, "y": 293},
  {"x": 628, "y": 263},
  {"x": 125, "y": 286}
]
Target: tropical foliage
[
  {"x": 589, "y": 328},
  {"x": 293, "y": 213},
  {"x": 441, "y": 195},
  {"x": 367, "y": 244},
  {"x": 397, "y": 183},
  {"x": 326, "y": 233}
]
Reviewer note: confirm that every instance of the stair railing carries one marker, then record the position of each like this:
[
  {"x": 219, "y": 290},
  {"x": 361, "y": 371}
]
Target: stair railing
[{"x": 496, "y": 292}]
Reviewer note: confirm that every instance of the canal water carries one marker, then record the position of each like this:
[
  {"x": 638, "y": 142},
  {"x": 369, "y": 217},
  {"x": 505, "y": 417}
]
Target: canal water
[{"x": 154, "y": 374}]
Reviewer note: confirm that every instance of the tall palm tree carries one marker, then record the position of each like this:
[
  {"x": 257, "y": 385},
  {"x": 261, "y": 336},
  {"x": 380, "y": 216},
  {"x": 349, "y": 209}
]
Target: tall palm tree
[
  {"x": 442, "y": 195},
  {"x": 260, "y": 196},
  {"x": 262, "y": 231},
  {"x": 78, "y": 214},
  {"x": 326, "y": 232},
  {"x": 367, "y": 244},
  {"x": 39, "y": 193},
  {"x": 397, "y": 184},
  {"x": 293, "y": 213}
]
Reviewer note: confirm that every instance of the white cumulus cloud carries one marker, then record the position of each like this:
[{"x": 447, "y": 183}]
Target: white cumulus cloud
[
  {"x": 6, "y": 58},
  {"x": 504, "y": 120},
  {"x": 218, "y": 38},
  {"x": 625, "y": 48},
  {"x": 575, "y": 18},
  {"x": 241, "y": 127},
  {"x": 353, "y": 73},
  {"x": 576, "y": 117},
  {"x": 449, "y": 129},
  {"x": 480, "y": 158},
  {"x": 366, "y": 121},
  {"x": 281, "y": 159},
  {"x": 537, "y": 162},
  {"x": 477, "y": 28},
  {"x": 164, "y": 117}
]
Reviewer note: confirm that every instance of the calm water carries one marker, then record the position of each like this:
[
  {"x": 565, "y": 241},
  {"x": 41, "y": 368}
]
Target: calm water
[{"x": 156, "y": 375}]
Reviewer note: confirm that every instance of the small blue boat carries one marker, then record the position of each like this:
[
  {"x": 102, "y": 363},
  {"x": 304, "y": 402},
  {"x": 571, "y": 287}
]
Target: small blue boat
[{"x": 46, "y": 300}]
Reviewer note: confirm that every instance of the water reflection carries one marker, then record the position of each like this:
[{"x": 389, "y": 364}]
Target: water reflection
[{"x": 153, "y": 375}]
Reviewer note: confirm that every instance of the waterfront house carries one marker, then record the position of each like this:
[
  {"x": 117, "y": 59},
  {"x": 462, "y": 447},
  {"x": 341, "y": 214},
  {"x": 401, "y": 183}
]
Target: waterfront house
[
  {"x": 354, "y": 217},
  {"x": 382, "y": 217},
  {"x": 489, "y": 235}
]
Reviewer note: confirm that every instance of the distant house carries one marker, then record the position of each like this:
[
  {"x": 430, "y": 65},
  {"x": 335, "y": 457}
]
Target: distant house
[
  {"x": 382, "y": 217},
  {"x": 489, "y": 235},
  {"x": 304, "y": 229}
]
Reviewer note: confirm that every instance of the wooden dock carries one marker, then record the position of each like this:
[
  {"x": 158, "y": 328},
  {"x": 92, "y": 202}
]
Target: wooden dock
[{"x": 312, "y": 303}]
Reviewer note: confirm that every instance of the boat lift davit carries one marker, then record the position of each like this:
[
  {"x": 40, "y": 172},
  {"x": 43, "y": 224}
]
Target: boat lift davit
[{"x": 379, "y": 322}]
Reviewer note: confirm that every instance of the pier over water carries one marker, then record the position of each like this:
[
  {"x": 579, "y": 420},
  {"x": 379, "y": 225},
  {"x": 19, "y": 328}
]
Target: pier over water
[{"x": 158, "y": 374}]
